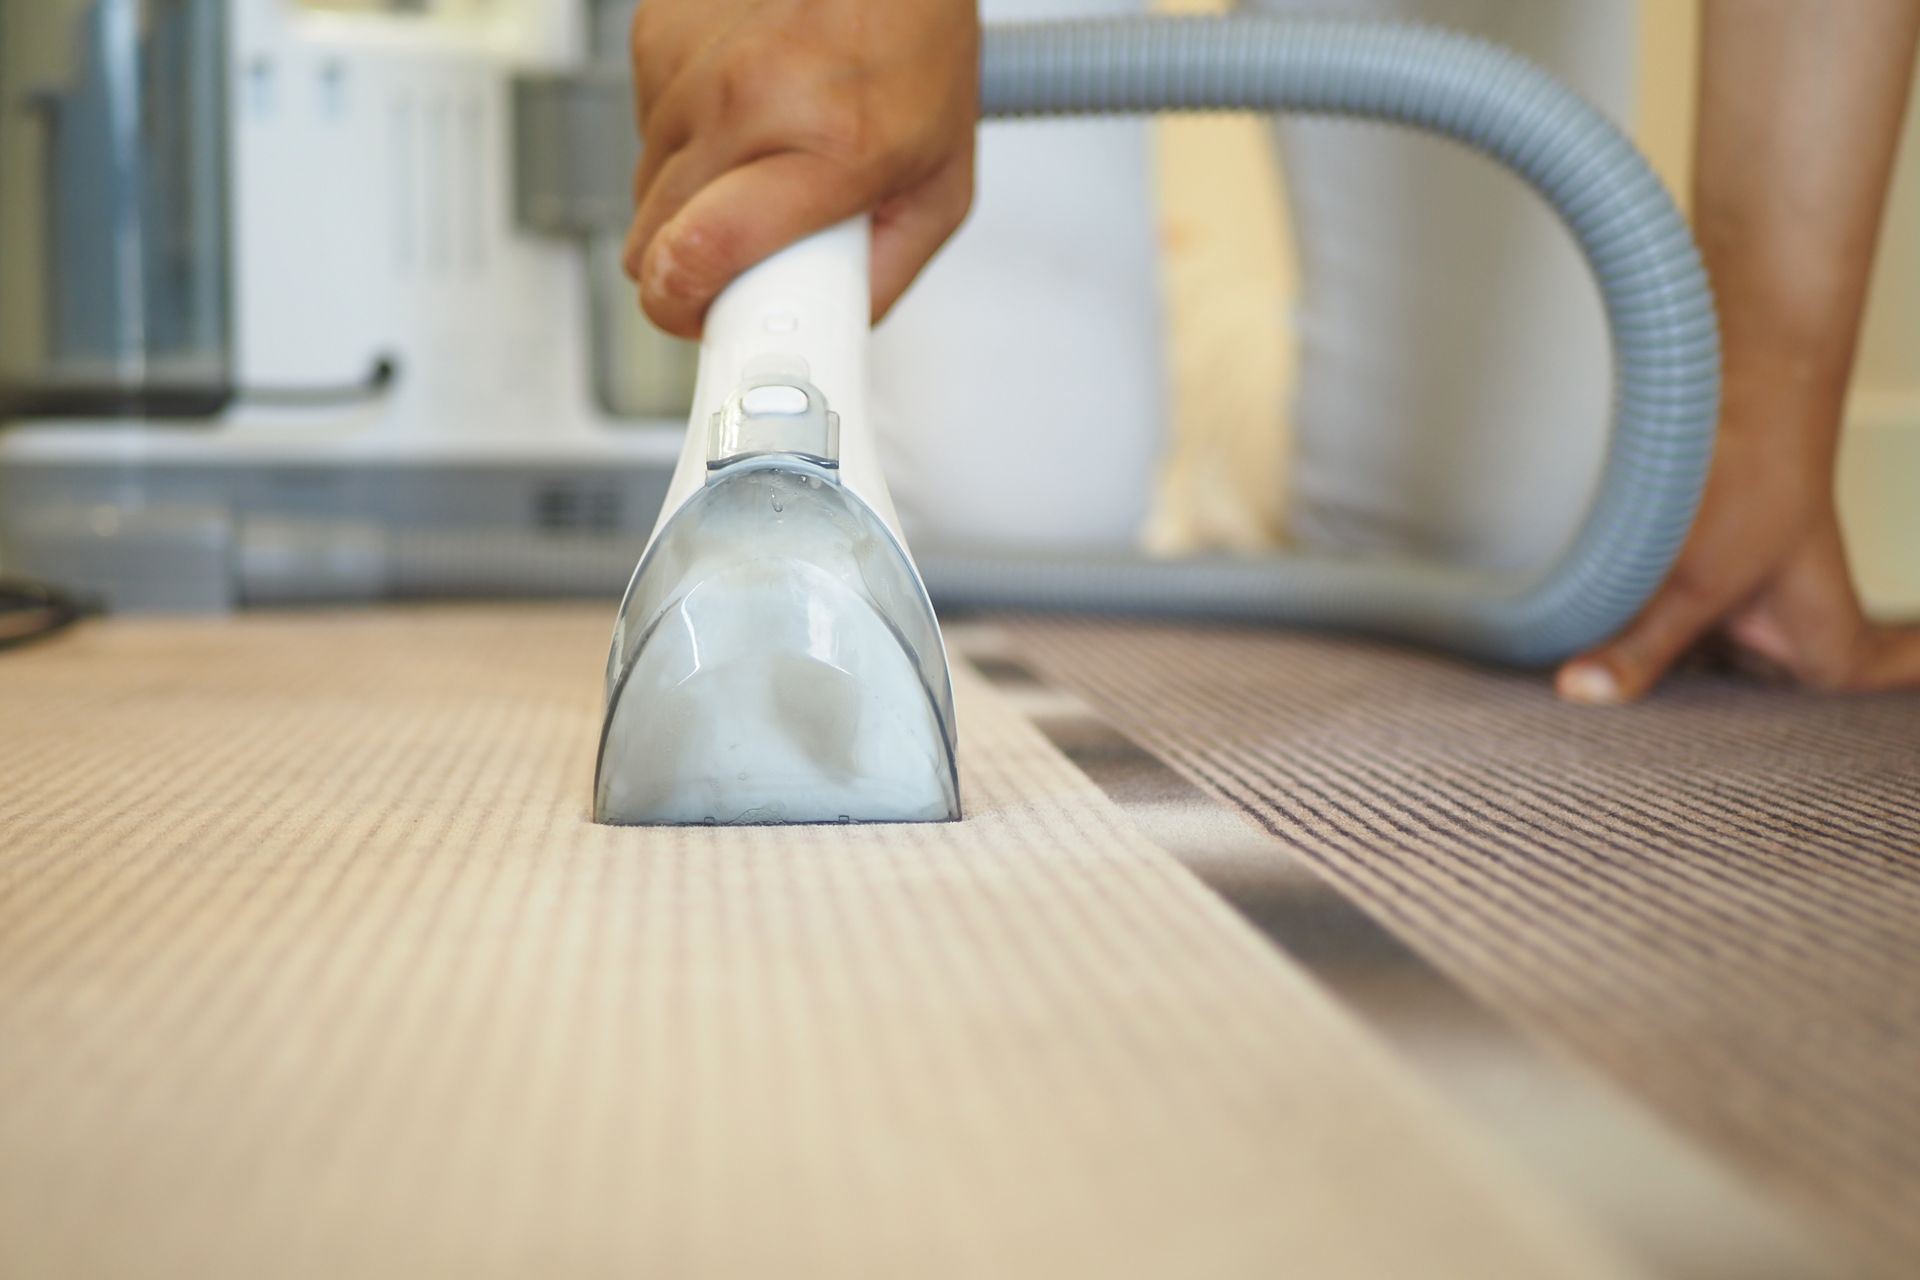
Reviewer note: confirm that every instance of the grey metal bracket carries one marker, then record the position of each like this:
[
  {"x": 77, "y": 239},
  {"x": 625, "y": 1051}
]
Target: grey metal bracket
[{"x": 574, "y": 151}]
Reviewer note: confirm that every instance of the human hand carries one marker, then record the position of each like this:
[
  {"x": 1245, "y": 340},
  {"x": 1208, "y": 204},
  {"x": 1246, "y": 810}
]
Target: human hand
[
  {"x": 1762, "y": 583},
  {"x": 1787, "y": 218},
  {"x": 764, "y": 121}
]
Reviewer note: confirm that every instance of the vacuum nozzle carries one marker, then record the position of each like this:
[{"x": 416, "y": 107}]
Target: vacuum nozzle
[
  {"x": 776, "y": 658},
  {"x": 776, "y": 661}
]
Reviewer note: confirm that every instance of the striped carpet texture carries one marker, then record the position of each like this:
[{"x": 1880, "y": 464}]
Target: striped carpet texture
[
  {"x": 1713, "y": 898},
  {"x": 311, "y": 964}
]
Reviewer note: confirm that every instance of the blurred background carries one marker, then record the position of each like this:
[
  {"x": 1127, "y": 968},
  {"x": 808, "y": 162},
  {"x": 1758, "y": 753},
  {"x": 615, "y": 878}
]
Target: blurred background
[{"x": 319, "y": 300}]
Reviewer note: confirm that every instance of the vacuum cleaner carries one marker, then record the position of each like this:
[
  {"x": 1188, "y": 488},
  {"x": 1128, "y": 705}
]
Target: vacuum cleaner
[{"x": 776, "y": 657}]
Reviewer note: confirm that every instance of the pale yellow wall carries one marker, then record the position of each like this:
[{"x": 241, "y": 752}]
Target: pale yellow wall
[
  {"x": 1228, "y": 282},
  {"x": 1668, "y": 81}
]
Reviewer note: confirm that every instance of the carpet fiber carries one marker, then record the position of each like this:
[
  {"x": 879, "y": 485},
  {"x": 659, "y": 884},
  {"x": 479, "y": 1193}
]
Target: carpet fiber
[
  {"x": 1713, "y": 898},
  {"x": 311, "y": 964}
]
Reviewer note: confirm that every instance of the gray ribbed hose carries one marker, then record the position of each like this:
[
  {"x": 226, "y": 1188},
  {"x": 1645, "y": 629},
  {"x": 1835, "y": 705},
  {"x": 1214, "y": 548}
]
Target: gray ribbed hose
[{"x": 1660, "y": 313}]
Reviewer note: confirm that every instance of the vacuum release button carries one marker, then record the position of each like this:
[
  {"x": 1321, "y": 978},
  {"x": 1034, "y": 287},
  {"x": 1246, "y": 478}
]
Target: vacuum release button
[{"x": 777, "y": 399}]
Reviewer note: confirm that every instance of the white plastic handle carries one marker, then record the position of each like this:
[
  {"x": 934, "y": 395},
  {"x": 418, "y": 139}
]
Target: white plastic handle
[{"x": 810, "y": 301}]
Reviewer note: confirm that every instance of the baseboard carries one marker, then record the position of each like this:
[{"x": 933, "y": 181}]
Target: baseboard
[{"x": 1879, "y": 483}]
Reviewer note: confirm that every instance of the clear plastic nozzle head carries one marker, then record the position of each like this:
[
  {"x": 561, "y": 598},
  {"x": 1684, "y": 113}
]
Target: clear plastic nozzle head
[{"x": 776, "y": 658}]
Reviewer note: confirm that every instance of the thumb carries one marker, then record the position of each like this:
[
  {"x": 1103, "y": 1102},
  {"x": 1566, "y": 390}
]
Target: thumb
[
  {"x": 1627, "y": 666},
  {"x": 741, "y": 217}
]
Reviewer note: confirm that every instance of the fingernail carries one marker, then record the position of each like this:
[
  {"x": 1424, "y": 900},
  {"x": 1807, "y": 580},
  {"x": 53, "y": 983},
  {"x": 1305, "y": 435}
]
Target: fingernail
[{"x": 1590, "y": 684}]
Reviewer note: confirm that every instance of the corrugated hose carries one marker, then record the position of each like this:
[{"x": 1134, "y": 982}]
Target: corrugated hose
[{"x": 1659, "y": 309}]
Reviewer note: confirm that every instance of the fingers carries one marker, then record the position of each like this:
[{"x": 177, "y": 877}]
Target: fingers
[
  {"x": 767, "y": 120},
  {"x": 645, "y": 175},
  {"x": 673, "y": 165},
  {"x": 664, "y": 41},
  {"x": 754, "y": 216},
  {"x": 740, "y": 217},
  {"x": 1627, "y": 666},
  {"x": 662, "y": 192},
  {"x": 909, "y": 230}
]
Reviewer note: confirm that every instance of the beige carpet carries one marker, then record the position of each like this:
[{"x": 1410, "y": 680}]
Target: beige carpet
[
  {"x": 1713, "y": 898},
  {"x": 310, "y": 964}
]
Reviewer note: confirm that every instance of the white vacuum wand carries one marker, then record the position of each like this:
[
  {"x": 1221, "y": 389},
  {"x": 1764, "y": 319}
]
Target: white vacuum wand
[{"x": 775, "y": 658}]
